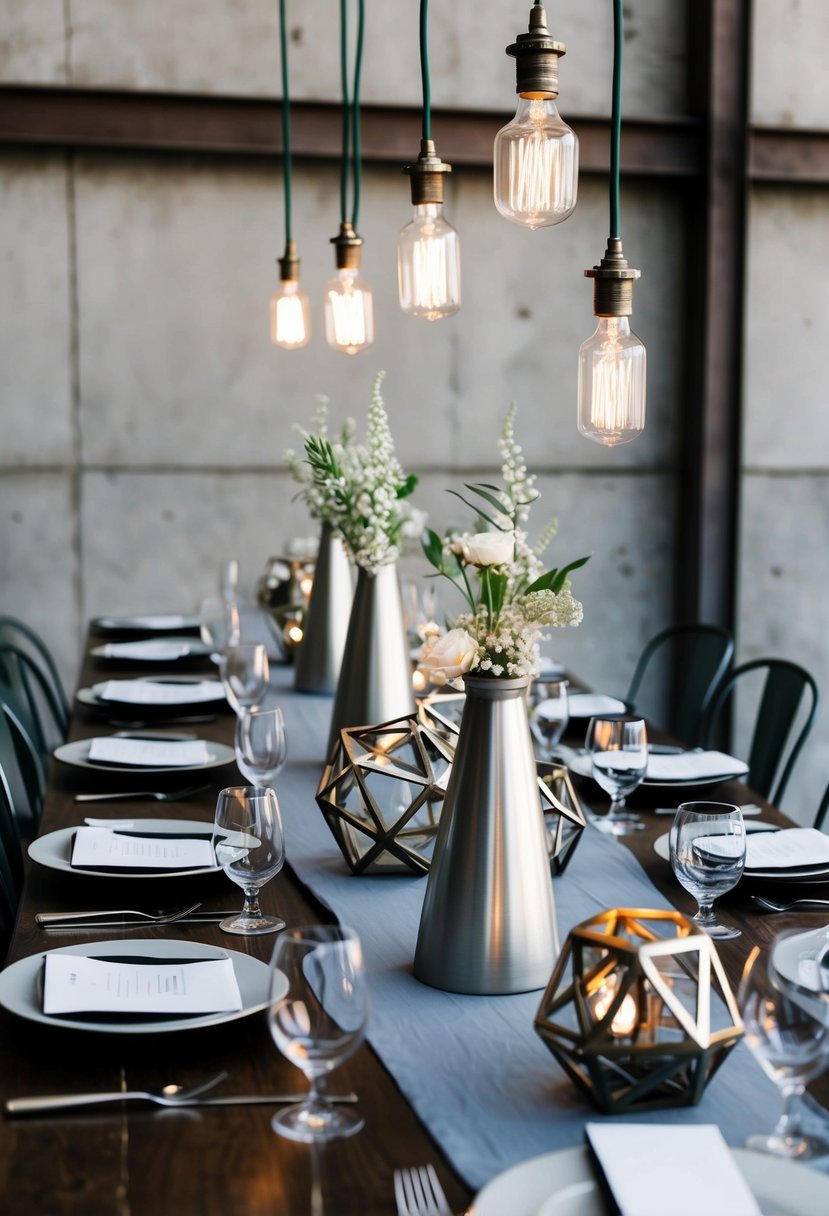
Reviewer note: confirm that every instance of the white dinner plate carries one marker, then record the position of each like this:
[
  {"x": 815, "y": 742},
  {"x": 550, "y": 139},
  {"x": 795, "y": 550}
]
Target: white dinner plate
[
  {"x": 195, "y": 649},
  {"x": 20, "y": 986},
  {"x": 55, "y": 849},
  {"x": 149, "y": 623},
  {"x": 77, "y": 755},
  {"x": 564, "y": 1184},
  {"x": 92, "y": 698},
  {"x": 662, "y": 844}
]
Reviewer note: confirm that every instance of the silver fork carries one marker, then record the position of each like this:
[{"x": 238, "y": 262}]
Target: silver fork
[
  {"x": 158, "y": 795},
  {"x": 170, "y": 1095},
  {"x": 112, "y": 917},
  {"x": 772, "y": 906},
  {"x": 417, "y": 1192}
]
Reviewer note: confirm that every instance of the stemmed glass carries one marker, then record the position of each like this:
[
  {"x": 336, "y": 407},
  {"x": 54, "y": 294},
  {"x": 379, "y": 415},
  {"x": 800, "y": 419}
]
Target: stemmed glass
[
  {"x": 219, "y": 625},
  {"x": 245, "y": 674},
  {"x": 708, "y": 856},
  {"x": 618, "y": 749},
  {"x": 786, "y": 1016},
  {"x": 261, "y": 744},
  {"x": 318, "y": 1022},
  {"x": 549, "y": 714},
  {"x": 250, "y": 848}
]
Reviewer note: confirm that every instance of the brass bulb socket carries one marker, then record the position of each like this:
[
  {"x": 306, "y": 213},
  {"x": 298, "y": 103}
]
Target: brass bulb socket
[
  {"x": 613, "y": 282},
  {"x": 427, "y": 175},
  {"x": 348, "y": 245},
  {"x": 536, "y": 56},
  {"x": 289, "y": 262}
]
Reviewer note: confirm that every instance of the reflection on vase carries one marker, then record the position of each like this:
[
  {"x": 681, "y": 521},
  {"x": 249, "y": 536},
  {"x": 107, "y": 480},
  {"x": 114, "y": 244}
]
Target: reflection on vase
[
  {"x": 325, "y": 625},
  {"x": 375, "y": 683},
  {"x": 488, "y": 922}
]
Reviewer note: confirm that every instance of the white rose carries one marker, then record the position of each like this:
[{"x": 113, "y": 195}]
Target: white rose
[
  {"x": 448, "y": 657},
  {"x": 489, "y": 548}
]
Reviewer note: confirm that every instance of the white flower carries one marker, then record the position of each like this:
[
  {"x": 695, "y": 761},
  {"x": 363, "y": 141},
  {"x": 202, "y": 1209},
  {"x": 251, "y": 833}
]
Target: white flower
[
  {"x": 489, "y": 548},
  {"x": 448, "y": 657}
]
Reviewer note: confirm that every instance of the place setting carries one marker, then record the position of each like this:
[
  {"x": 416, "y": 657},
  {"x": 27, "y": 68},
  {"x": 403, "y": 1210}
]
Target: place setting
[
  {"x": 146, "y": 624},
  {"x": 162, "y": 649},
  {"x": 161, "y": 698}
]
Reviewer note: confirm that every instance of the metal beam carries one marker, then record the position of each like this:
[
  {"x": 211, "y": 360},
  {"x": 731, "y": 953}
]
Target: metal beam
[{"x": 173, "y": 122}]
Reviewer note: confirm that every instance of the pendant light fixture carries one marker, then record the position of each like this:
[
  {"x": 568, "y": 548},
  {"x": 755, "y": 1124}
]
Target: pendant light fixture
[
  {"x": 536, "y": 156},
  {"x": 290, "y": 309},
  {"x": 612, "y": 362},
  {"x": 428, "y": 250},
  {"x": 349, "y": 304}
]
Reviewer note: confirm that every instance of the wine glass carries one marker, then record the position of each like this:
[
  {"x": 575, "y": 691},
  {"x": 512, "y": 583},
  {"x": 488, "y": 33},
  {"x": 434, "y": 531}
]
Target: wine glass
[
  {"x": 786, "y": 1017},
  {"x": 250, "y": 848},
  {"x": 219, "y": 625},
  {"x": 318, "y": 1022},
  {"x": 708, "y": 856},
  {"x": 549, "y": 714},
  {"x": 618, "y": 749},
  {"x": 261, "y": 744},
  {"x": 245, "y": 674}
]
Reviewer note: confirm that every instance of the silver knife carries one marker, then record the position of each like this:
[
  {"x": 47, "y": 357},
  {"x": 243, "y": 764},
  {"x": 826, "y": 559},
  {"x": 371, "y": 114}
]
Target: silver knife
[
  {"x": 42, "y": 1103},
  {"x": 83, "y": 920}
]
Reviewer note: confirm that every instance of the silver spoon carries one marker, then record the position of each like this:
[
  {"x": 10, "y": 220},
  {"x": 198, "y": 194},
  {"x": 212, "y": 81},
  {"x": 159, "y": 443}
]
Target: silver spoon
[
  {"x": 170, "y": 1095},
  {"x": 158, "y": 795}
]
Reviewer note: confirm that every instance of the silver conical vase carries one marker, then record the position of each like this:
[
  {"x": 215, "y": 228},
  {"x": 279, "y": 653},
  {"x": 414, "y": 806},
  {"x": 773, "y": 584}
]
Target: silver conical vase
[
  {"x": 488, "y": 922},
  {"x": 375, "y": 683},
  {"x": 317, "y": 665}
]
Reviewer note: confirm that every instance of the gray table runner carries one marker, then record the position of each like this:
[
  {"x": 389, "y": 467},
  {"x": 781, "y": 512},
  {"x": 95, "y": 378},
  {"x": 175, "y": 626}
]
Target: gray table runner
[{"x": 473, "y": 1067}]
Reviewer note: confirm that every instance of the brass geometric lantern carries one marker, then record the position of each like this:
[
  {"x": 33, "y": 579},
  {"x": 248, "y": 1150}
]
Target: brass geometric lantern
[
  {"x": 564, "y": 818},
  {"x": 381, "y": 794},
  {"x": 632, "y": 1013}
]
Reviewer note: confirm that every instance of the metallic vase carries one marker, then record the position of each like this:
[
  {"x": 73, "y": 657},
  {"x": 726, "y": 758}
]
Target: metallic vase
[
  {"x": 488, "y": 922},
  {"x": 326, "y": 622},
  {"x": 375, "y": 683}
]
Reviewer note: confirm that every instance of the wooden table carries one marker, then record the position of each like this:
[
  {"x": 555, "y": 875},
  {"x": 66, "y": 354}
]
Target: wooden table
[{"x": 142, "y": 1161}]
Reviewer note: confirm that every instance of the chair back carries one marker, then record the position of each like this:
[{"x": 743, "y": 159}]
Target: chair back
[
  {"x": 34, "y": 698},
  {"x": 17, "y": 634},
  {"x": 21, "y": 769},
  {"x": 11, "y": 855},
  {"x": 822, "y": 810},
  {"x": 774, "y": 744},
  {"x": 689, "y": 661}
]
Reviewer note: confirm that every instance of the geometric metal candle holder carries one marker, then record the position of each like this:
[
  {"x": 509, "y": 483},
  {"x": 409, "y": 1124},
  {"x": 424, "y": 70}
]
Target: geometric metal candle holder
[
  {"x": 638, "y": 1010},
  {"x": 381, "y": 794},
  {"x": 564, "y": 817}
]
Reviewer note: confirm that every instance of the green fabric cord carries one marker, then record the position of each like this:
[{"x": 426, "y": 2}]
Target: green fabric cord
[
  {"x": 424, "y": 69},
  {"x": 351, "y": 151},
  {"x": 286, "y": 125},
  {"x": 616, "y": 118}
]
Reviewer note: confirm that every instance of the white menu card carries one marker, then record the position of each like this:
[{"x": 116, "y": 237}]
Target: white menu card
[
  {"x": 156, "y": 692},
  {"x": 101, "y": 848},
  {"x": 655, "y": 1169},
  {"x": 74, "y": 983},
  {"x": 159, "y": 651},
  {"x": 148, "y": 753}
]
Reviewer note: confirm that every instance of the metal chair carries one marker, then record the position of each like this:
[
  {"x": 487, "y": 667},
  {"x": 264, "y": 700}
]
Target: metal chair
[
  {"x": 822, "y": 809},
  {"x": 697, "y": 658},
  {"x": 786, "y": 687},
  {"x": 16, "y": 637},
  {"x": 21, "y": 769},
  {"x": 34, "y": 698}
]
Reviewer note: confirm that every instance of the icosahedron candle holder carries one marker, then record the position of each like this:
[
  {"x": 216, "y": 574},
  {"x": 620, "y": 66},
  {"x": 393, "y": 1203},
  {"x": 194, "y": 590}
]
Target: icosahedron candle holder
[
  {"x": 381, "y": 794},
  {"x": 638, "y": 1010}
]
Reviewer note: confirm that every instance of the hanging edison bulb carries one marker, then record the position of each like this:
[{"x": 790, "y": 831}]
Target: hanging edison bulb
[
  {"x": 613, "y": 361},
  {"x": 349, "y": 304},
  {"x": 429, "y": 250},
  {"x": 536, "y": 156},
  {"x": 290, "y": 307}
]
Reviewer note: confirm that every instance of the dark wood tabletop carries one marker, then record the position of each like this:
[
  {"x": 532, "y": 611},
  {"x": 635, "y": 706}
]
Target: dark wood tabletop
[{"x": 131, "y": 1160}]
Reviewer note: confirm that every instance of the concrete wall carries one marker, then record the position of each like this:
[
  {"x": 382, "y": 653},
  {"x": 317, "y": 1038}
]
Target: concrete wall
[{"x": 145, "y": 410}]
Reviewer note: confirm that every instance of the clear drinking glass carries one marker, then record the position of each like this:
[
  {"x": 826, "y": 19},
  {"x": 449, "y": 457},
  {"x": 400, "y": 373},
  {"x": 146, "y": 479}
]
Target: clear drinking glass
[
  {"x": 245, "y": 674},
  {"x": 708, "y": 856},
  {"x": 250, "y": 848},
  {"x": 261, "y": 744},
  {"x": 219, "y": 625},
  {"x": 549, "y": 714},
  {"x": 618, "y": 749},
  {"x": 786, "y": 1018},
  {"x": 318, "y": 1022}
]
